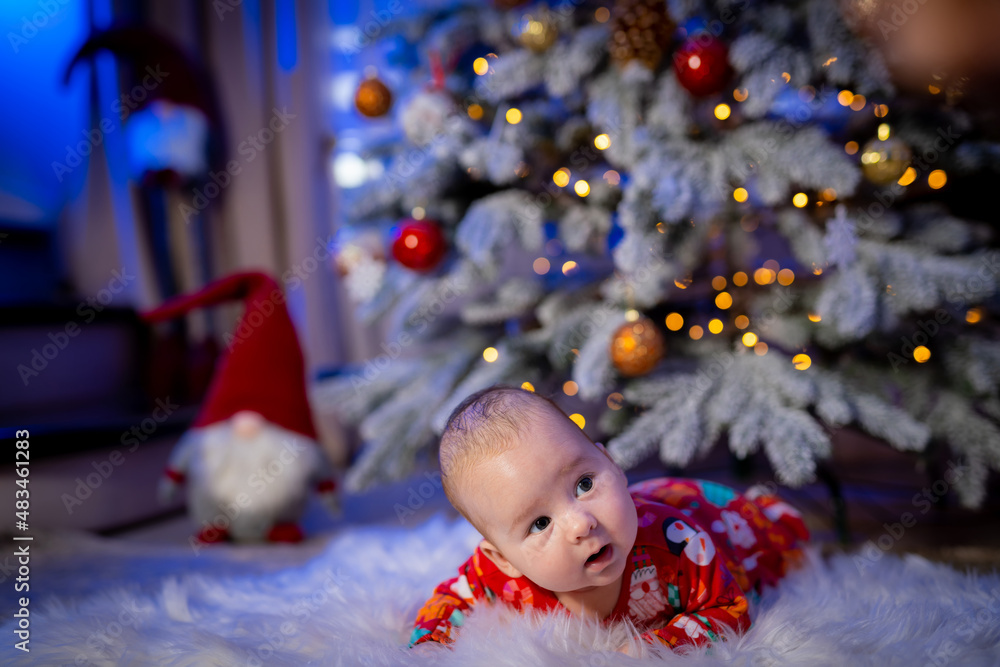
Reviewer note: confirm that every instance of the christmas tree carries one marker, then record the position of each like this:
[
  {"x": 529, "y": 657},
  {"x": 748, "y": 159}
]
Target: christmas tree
[{"x": 718, "y": 220}]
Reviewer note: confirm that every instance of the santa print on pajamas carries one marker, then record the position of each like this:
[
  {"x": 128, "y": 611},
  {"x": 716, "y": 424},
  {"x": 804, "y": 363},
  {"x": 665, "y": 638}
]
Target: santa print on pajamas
[{"x": 701, "y": 547}]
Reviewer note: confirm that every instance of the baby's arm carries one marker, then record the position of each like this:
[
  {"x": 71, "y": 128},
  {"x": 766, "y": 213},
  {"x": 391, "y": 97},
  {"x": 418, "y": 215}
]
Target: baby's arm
[
  {"x": 706, "y": 595},
  {"x": 446, "y": 608}
]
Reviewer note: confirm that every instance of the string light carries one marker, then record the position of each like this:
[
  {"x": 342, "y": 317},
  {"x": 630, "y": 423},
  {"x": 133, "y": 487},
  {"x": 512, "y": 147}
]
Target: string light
[
  {"x": 858, "y": 103},
  {"x": 683, "y": 282},
  {"x": 568, "y": 266},
  {"x": 884, "y": 131},
  {"x": 612, "y": 177},
  {"x": 513, "y": 116},
  {"x": 602, "y": 15},
  {"x": 937, "y": 179},
  {"x": 851, "y": 147},
  {"x": 602, "y": 141},
  {"x": 723, "y": 300},
  {"x": 786, "y": 277},
  {"x": 719, "y": 282},
  {"x": 829, "y": 194},
  {"x": 475, "y": 111},
  {"x": 582, "y": 188},
  {"x": 921, "y": 354},
  {"x": 570, "y": 388},
  {"x": 675, "y": 321},
  {"x": 763, "y": 276},
  {"x": 740, "y": 278},
  {"x": 615, "y": 401},
  {"x": 760, "y": 349},
  {"x": 802, "y": 362},
  {"x": 490, "y": 354},
  {"x": 881, "y": 110},
  {"x": 815, "y": 317},
  {"x": 541, "y": 266},
  {"x": 418, "y": 213},
  {"x": 741, "y": 94},
  {"x": 722, "y": 111},
  {"x": 974, "y": 315},
  {"x": 480, "y": 66},
  {"x": 742, "y": 322},
  {"x": 741, "y": 195},
  {"x": 715, "y": 325},
  {"x": 696, "y": 332},
  {"x": 578, "y": 419},
  {"x": 527, "y": 386},
  {"x": 800, "y": 200},
  {"x": 749, "y": 339},
  {"x": 908, "y": 177},
  {"x": 845, "y": 97},
  {"x": 561, "y": 177}
]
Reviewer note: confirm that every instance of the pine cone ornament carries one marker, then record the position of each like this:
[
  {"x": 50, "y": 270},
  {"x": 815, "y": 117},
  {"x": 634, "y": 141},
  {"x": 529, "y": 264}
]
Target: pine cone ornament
[{"x": 640, "y": 30}]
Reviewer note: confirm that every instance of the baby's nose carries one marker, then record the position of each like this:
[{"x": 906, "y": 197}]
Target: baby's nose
[{"x": 580, "y": 523}]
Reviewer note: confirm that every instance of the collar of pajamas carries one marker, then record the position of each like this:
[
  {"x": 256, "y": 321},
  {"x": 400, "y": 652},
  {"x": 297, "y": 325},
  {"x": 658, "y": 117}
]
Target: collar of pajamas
[{"x": 701, "y": 548}]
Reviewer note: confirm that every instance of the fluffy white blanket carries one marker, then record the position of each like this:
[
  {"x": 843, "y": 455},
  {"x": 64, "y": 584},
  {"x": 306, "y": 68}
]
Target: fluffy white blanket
[{"x": 352, "y": 602}]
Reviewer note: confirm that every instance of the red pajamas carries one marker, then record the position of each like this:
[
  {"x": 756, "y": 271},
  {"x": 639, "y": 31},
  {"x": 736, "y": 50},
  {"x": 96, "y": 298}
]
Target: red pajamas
[{"x": 700, "y": 548}]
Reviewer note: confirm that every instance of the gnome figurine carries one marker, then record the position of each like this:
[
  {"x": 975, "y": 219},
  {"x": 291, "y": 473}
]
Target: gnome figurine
[{"x": 252, "y": 454}]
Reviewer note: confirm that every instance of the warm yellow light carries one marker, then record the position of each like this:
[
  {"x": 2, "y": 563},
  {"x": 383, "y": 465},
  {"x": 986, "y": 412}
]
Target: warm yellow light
[
  {"x": 722, "y": 111},
  {"x": 786, "y": 77},
  {"x": 480, "y": 66},
  {"x": 815, "y": 317},
  {"x": 772, "y": 265},
  {"x": 675, "y": 321},
  {"x": 934, "y": 90},
  {"x": 683, "y": 282},
  {"x": 541, "y": 266},
  {"x": 568, "y": 266},
  {"x": 715, "y": 325},
  {"x": 937, "y": 179},
  {"x": 817, "y": 271},
  {"x": 921, "y": 354},
  {"x": 513, "y": 116},
  {"x": 851, "y": 147},
  {"x": 694, "y": 62},
  {"x": 800, "y": 200},
  {"x": 763, "y": 276},
  {"x": 719, "y": 282},
  {"x": 475, "y": 111},
  {"x": 418, "y": 213},
  {"x": 696, "y": 332},
  {"x": 742, "y": 322},
  {"x": 749, "y": 339},
  {"x": 829, "y": 194},
  {"x": 881, "y": 110},
  {"x": 570, "y": 388},
  {"x": 908, "y": 176},
  {"x": 741, "y": 94},
  {"x": 760, "y": 349},
  {"x": 740, "y": 279},
  {"x": 786, "y": 277},
  {"x": 884, "y": 131},
  {"x": 632, "y": 315},
  {"x": 561, "y": 177},
  {"x": 527, "y": 386},
  {"x": 612, "y": 177},
  {"x": 582, "y": 188},
  {"x": 602, "y": 141},
  {"x": 802, "y": 361},
  {"x": 974, "y": 315},
  {"x": 845, "y": 97},
  {"x": 723, "y": 300},
  {"x": 602, "y": 15},
  {"x": 578, "y": 419},
  {"x": 858, "y": 103},
  {"x": 490, "y": 354},
  {"x": 740, "y": 195},
  {"x": 615, "y": 401}
]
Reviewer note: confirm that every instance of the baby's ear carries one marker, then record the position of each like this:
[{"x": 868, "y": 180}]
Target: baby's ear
[{"x": 502, "y": 563}]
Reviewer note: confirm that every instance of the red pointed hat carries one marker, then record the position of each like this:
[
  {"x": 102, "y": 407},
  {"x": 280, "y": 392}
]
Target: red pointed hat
[{"x": 263, "y": 368}]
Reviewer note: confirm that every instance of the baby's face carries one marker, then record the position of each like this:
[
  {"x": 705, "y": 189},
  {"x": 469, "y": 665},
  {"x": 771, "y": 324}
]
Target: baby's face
[{"x": 557, "y": 507}]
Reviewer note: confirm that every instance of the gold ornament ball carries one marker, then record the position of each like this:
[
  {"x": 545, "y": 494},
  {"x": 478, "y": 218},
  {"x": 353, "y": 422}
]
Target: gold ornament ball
[
  {"x": 537, "y": 32},
  {"x": 373, "y": 98},
  {"x": 636, "y": 347},
  {"x": 884, "y": 162}
]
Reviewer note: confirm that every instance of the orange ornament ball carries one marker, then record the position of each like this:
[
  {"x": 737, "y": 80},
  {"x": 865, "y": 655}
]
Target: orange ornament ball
[
  {"x": 373, "y": 98},
  {"x": 636, "y": 347}
]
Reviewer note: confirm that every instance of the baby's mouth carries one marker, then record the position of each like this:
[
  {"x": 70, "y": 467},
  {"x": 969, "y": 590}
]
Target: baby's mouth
[{"x": 597, "y": 556}]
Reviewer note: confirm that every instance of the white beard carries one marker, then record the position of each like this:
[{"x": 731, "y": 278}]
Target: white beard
[{"x": 246, "y": 484}]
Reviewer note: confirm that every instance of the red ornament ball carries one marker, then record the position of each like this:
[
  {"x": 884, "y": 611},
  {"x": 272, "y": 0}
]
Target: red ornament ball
[
  {"x": 420, "y": 244},
  {"x": 702, "y": 65}
]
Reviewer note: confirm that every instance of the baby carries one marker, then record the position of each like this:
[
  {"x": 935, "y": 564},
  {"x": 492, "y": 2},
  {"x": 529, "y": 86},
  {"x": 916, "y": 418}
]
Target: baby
[{"x": 563, "y": 530}]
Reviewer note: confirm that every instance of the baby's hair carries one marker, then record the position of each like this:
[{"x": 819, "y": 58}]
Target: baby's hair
[{"x": 485, "y": 424}]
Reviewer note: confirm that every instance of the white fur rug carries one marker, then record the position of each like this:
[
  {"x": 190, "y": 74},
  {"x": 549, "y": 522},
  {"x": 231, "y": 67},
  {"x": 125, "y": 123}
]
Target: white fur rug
[{"x": 352, "y": 602}]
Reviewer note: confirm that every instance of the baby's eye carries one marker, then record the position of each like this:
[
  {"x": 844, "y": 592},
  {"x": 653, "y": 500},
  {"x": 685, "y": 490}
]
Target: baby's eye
[
  {"x": 585, "y": 484},
  {"x": 540, "y": 524}
]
